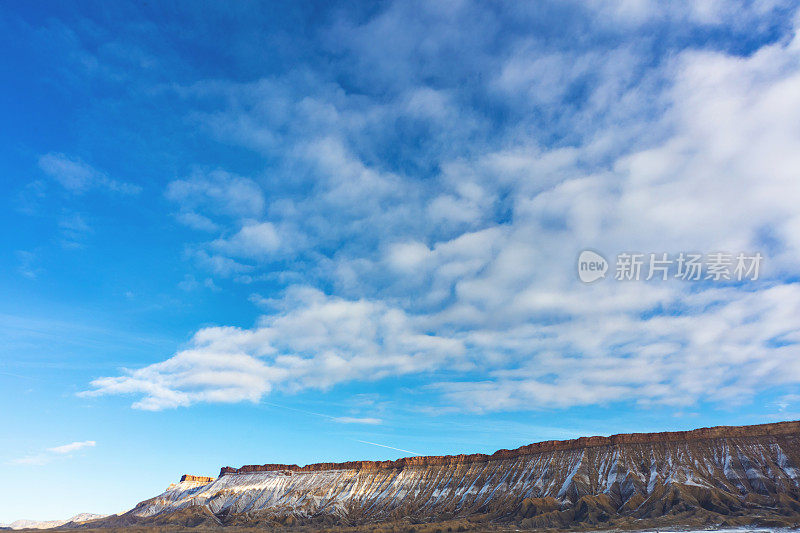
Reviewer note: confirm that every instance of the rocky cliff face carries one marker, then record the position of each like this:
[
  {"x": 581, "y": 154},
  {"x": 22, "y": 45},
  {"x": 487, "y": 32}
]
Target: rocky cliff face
[
  {"x": 196, "y": 479},
  {"x": 722, "y": 475}
]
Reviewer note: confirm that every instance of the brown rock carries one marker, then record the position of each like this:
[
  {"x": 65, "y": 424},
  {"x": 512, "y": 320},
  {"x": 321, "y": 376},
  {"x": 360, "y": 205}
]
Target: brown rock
[{"x": 777, "y": 428}]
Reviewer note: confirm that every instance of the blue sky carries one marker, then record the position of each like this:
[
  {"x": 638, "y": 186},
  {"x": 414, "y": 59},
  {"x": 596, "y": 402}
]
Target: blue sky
[{"x": 241, "y": 233}]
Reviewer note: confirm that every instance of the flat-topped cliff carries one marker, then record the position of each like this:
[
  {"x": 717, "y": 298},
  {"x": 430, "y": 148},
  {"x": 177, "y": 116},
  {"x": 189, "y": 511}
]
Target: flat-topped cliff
[
  {"x": 743, "y": 475},
  {"x": 197, "y": 479}
]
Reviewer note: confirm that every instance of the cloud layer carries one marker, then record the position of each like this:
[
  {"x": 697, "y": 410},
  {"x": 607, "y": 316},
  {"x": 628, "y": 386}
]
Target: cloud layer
[{"x": 424, "y": 218}]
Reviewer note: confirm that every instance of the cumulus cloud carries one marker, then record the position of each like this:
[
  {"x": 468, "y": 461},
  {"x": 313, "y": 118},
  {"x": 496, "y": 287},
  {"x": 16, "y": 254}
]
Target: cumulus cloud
[
  {"x": 315, "y": 343},
  {"x": 457, "y": 256}
]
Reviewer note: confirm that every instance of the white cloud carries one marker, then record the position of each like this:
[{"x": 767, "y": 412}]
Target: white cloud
[
  {"x": 407, "y": 256},
  {"x": 315, "y": 343},
  {"x": 216, "y": 201},
  {"x": 51, "y": 454},
  {"x": 78, "y": 176},
  {"x": 253, "y": 240},
  {"x": 72, "y": 447},
  {"x": 215, "y": 193},
  {"x": 196, "y": 221},
  {"x": 719, "y": 349},
  {"x": 221, "y": 265},
  {"x": 189, "y": 283},
  {"x": 700, "y": 12},
  {"x": 462, "y": 257}
]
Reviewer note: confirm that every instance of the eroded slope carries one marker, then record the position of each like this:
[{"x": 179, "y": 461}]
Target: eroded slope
[{"x": 714, "y": 472}]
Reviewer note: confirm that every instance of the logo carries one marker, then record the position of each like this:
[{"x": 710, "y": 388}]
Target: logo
[
  {"x": 686, "y": 266},
  {"x": 591, "y": 266}
]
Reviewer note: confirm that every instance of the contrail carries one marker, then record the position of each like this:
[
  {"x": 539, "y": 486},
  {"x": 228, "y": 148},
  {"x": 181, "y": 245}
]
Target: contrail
[
  {"x": 298, "y": 410},
  {"x": 390, "y": 447},
  {"x": 339, "y": 419}
]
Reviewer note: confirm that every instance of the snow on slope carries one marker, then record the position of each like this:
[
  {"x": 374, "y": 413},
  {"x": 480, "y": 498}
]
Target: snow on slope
[{"x": 628, "y": 474}]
